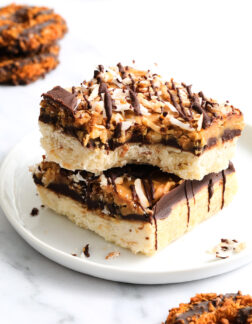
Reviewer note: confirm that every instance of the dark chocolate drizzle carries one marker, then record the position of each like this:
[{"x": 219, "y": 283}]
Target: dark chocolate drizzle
[
  {"x": 223, "y": 188},
  {"x": 61, "y": 96},
  {"x": 187, "y": 201},
  {"x": 181, "y": 105},
  {"x": 36, "y": 29},
  {"x": 101, "y": 68},
  {"x": 108, "y": 105},
  {"x": 198, "y": 309},
  {"x": 164, "y": 206},
  {"x": 122, "y": 71},
  {"x": 176, "y": 105},
  {"x": 210, "y": 192},
  {"x": 243, "y": 314},
  {"x": 156, "y": 240},
  {"x": 198, "y": 108},
  {"x": 192, "y": 192},
  {"x": 134, "y": 102}
]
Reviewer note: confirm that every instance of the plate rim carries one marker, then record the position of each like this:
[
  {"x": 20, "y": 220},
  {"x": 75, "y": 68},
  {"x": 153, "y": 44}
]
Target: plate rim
[{"x": 107, "y": 271}]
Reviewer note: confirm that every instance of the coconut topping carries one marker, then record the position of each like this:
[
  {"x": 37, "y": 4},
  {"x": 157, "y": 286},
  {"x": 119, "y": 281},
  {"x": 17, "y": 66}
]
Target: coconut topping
[{"x": 121, "y": 104}]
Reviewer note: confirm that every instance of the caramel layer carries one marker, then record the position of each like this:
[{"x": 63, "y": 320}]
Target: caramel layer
[{"x": 132, "y": 192}]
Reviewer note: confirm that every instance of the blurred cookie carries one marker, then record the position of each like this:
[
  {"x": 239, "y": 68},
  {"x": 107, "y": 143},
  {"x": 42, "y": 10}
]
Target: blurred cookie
[
  {"x": 24, "y": 70},
  {"x": 28, "y": 29},
  {"x": 213, "y": 308}
]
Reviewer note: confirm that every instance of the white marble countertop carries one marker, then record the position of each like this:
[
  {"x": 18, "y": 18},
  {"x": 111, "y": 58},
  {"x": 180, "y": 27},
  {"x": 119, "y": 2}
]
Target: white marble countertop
[{"x": 205, "y": 43}]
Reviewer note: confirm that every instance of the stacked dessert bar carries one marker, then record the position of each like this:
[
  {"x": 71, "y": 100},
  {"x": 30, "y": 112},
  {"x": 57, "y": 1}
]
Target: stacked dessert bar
[{"x": 136, "y": 159}]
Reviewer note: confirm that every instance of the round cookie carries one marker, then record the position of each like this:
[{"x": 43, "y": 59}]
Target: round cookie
[
  {"x": 28, "y": 29},
  {"x": 24, "y": 70},
  {"x": 213, "y": 308}
]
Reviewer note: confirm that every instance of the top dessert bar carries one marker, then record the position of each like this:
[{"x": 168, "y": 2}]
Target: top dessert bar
[{"x": 124, "y": 115}]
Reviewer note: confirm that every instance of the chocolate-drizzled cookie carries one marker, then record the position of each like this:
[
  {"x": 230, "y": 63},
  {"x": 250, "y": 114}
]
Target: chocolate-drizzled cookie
[
  {"x": 28, "y": 29},
  {"x": 213, "y": 308},
  {"x": 24, "y": 70}
]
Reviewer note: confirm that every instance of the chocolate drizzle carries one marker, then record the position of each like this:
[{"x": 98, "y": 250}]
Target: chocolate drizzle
[
  {"x": 175, "y": 104},
  {"x": 64, "y": 98},
  {"x": 210, "y": 192},
  {"x": 223, "y": 188},
  {"x": 156, "y": 240},
  {"x": 164, "y": 206},
  {"x": 122, "y": 71},
  {"x": 192, "y": 191},
  {"x": 187, "y": 201},
  {"x": 37, "y": 28},
  {"x": 197, "y": 309},
  {"x": 181, "y": 105},
  {"x": 134, "y": 102},
  {"x": 197, "y": 107},
  {"x": 107, "y": 102},
  {"x": 243, "y": 314}
]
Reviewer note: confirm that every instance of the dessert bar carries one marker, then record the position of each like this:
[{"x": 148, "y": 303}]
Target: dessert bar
[
  {"x": 137, "y": 206},
  {"x": 124, "y": 115}
]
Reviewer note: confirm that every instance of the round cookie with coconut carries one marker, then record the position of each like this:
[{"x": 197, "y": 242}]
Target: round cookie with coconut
[
  {"x": 28, "y": 29},
  {"x": 24, "y": 70}
]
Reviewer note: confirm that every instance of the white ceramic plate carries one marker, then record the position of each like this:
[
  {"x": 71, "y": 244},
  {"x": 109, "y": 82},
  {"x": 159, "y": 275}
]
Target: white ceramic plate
[{"x": 186, "y": 259}]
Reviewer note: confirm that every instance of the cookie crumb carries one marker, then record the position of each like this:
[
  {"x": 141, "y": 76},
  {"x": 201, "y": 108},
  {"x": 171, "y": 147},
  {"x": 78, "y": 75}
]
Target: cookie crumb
[
  {"x": 85, "y": 250},
  {"x": 74, "y": 254},
  {"x": 112, "y": 255},
  {"x": 34, "y": 211}
]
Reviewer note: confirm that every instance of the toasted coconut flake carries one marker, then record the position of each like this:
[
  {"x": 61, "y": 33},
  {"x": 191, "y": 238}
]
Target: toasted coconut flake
[
  {"x": 172, "y": 108},
  {"x": 103, "y": 181},
  {"x": 127, "y": 81},
  {"x": 122, "y": 107},
  {"x": 180, "y": 124},
  {"x": 140, "y": 193},
  {"x": 126, "y": 125},
  {"x": 200, "y": 121},
  {"x": 77, "y": 177},
  {"x": 119, "y": 180},
  {"x": 94, "y": 92},
  {"x": 144, "y": 111}
]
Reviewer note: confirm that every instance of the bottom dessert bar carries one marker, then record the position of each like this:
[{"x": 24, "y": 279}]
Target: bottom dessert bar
[
  {"x": 213, "y": 308},
  {"x": 137, "y": 206}
]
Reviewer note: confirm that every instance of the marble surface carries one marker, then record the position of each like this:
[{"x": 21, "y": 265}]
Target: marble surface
[{"x": 205, "y": 43}]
